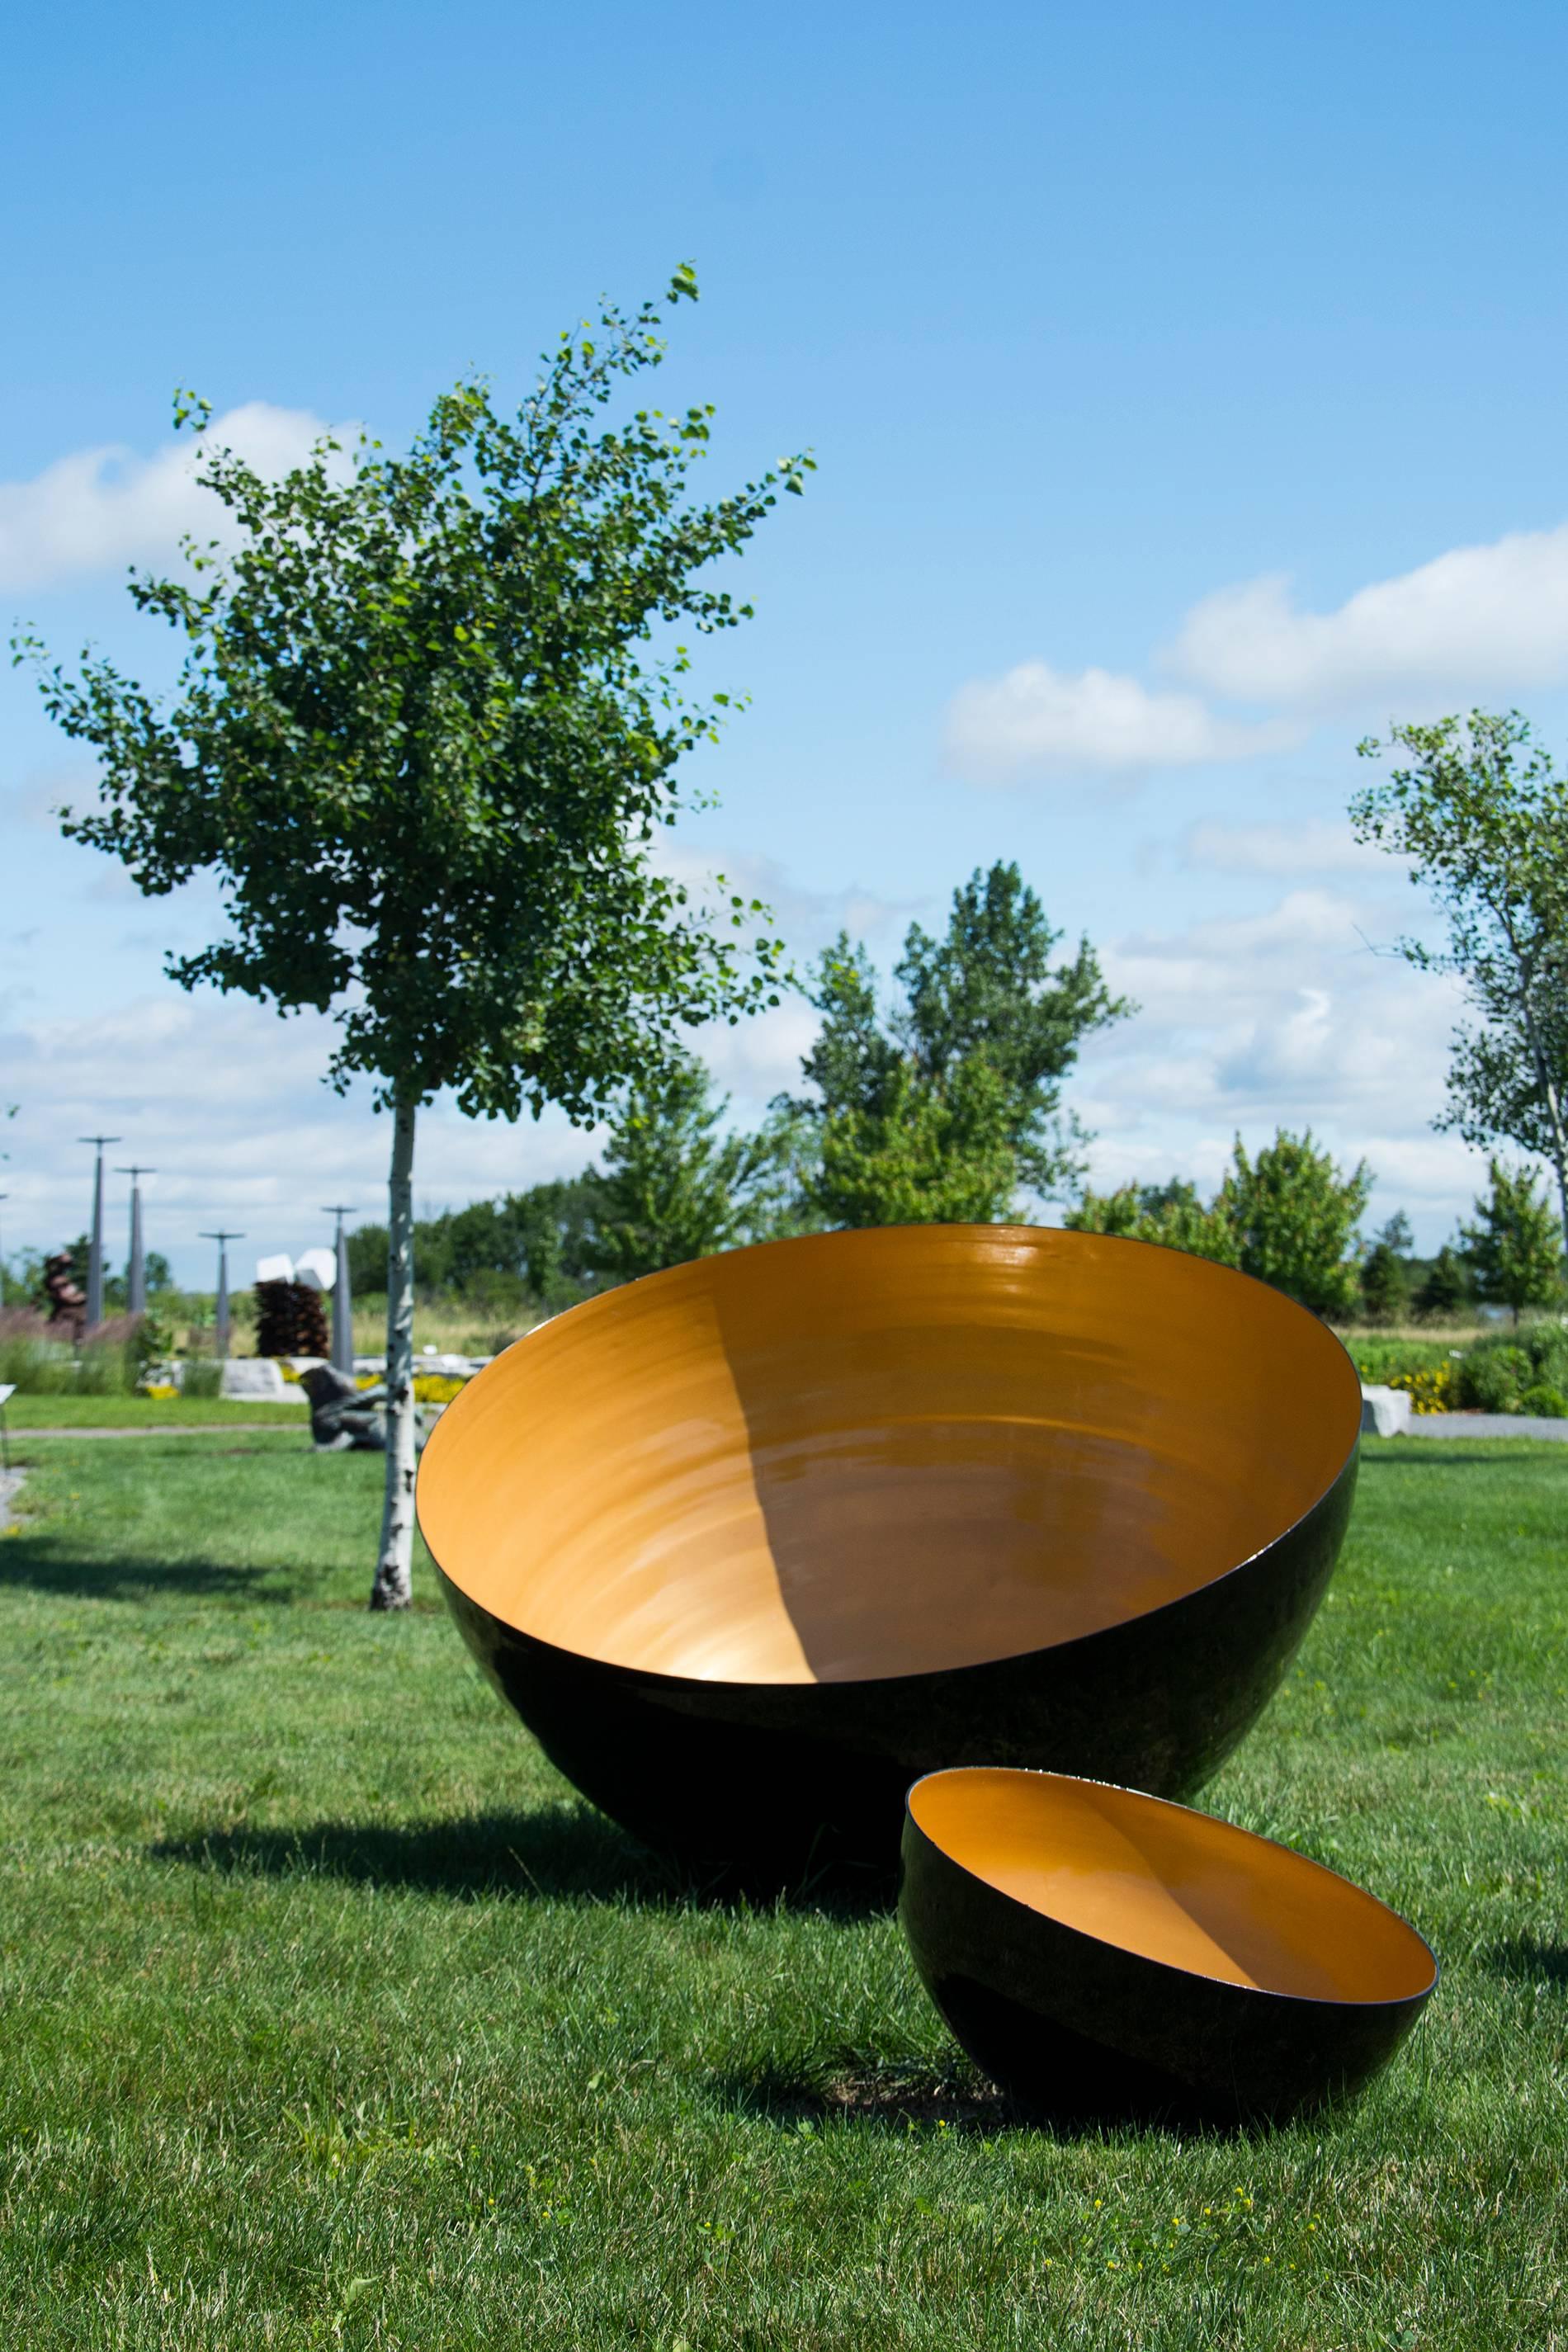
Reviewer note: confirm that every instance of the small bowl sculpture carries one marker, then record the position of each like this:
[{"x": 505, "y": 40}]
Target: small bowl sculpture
[
  {"x": 752, "y": 1543},
  {"x": 1100, "y": 1953}
]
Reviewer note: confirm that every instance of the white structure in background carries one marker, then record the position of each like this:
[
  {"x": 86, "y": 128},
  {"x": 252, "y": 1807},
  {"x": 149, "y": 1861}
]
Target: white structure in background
[
  {"x": 316, "y": 1268},
  {"x": 1385, "y": 1412}
]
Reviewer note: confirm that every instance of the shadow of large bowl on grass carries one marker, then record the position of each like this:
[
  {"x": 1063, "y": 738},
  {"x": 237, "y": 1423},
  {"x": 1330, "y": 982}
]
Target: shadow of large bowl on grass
[
  {"x": 1106, "y": 1954},
  {"x": 751, "y": 1544}
]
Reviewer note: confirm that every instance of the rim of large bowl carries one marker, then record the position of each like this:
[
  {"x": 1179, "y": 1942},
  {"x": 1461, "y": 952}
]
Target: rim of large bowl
[{"x": 606, "y": 1300}]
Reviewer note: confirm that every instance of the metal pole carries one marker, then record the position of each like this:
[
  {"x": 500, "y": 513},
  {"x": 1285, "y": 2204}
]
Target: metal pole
[
  {"x": 136, "y": 1265},
  {"x": 95, "y": 1251},
  {"x": 342, "y": 1303},
  {"x": 220, "y": 1317}
]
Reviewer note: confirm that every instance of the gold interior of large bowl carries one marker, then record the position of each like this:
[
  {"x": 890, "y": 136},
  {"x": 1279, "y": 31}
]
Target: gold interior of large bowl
[
  {"x": 1174, "y": 1886},
  {"x": 884, "y": 1453}
]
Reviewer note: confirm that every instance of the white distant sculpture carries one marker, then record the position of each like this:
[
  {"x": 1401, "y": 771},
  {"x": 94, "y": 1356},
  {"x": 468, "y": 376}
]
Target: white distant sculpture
[{"x": 316, "y": 1268}]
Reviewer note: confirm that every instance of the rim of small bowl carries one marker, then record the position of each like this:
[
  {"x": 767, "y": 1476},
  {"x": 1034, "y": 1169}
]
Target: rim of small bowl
[
  {"x": 1218, "y": 1821},
  {"x": 602, "y": 1301}
]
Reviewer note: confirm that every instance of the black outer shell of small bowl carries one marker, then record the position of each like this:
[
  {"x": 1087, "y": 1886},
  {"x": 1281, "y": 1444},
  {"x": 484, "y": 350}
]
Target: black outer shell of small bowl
[
  {"x": 779, "y": 1779},
  {"x": 1077, "y": 2030}
]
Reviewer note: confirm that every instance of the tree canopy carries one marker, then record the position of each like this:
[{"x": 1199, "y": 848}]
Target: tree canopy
[
  {"x": 1385, "y": 1273},
  {"x": 675, "y": 1183},
  {"x": 945, "y": 1108},
  {"x": 426, "y": 729},
  {"x": 1515, "y": 1246},
  {"x": 1481, "y": 814},
  {"x": 1288, "y": 1216}
]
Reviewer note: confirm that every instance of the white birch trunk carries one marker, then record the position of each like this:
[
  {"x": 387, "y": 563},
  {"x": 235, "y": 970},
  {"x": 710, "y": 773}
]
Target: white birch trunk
[{"x": 393, "y": 1587}]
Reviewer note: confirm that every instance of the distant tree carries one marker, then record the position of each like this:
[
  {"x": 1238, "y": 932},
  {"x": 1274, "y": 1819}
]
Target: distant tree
[
  {"x": 533, "y": 1240},
  {"x": 1295, "y": 1214},
  {"x": 1482, "y": 816},
  {"x": 420, "y": 740},
  {"x": 550, "y": 1224},
  {"x": 941, "y": 1112},
  {"x": 1515, "y": 1247},
  {"x": 987, "y": 991},
  {"x": 1385, "y": 1274},
  {"x": 1445, "y": 1288},
  {"x": 676, "y": 1183},
  {"x": 1170, "y": 1213},
  {"x": 1288, "y": 1217},
  {"x": 919, "y": 1154},
  {"x": 159, "y": 1274}
]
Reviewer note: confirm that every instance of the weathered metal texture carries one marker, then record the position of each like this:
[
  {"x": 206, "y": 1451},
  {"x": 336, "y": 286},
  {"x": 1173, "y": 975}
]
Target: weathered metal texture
[
  {"x": 752, "y": 1544},
  {"x": 1104, "y": 1954}
]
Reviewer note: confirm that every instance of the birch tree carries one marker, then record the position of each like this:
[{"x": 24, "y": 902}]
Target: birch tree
[
  {"x": 426, "y": 726},
  {"x": 1481, "y": 815}
]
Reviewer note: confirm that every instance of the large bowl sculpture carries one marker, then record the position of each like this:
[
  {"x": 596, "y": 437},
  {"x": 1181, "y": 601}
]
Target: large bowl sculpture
[
  {"x": 751, "y": 1544},
  {"x": 1102, "y": 1953}
]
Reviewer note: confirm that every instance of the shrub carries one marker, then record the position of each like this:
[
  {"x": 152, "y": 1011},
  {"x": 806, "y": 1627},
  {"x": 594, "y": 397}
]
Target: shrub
[
  {"x": 1546, "y": 1401},
  {"x": 201, "y": 1376},
  {"x": 1546, "y": 1345},
  {"x": 1387, "y": 1360},
  {"x": 1434, "y": 1390},
  {"x": 1494, "y": 1376},
  {"x": 38, "y": 1358},
  {"x": 30, "y": 1358}
]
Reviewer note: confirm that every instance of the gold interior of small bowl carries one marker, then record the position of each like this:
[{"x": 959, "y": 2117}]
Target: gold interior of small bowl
[
  {"x": 884, "y": 1453},
  {"x": 1174, "y": 1885}
]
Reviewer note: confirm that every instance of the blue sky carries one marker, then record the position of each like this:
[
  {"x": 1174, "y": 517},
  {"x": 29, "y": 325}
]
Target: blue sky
[{"x": 1185, "y": 387}]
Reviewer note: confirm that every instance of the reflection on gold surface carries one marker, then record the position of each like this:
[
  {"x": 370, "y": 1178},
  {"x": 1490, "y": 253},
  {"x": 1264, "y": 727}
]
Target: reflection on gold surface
[
  {"x": 1176, "y": 1886},
  {"x": 858, "y": 1456}
]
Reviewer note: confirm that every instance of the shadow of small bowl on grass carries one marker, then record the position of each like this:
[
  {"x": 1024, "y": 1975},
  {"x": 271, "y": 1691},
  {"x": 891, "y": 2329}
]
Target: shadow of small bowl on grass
[{"x": 1108, "y": 1956}]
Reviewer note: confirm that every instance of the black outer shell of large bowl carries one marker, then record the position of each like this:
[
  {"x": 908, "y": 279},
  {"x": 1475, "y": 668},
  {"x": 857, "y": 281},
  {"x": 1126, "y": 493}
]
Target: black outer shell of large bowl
[
  {"x": 1078, "y": 2029},
  {"x": 784, "y": 1777},
  {"x": 776, "y": 1779}
]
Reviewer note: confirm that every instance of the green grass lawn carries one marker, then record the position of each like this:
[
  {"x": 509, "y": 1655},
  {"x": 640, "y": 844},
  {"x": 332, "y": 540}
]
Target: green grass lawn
[
  {"x": 25, "y": 1413},
  {"x": 333, "y": 2018}
]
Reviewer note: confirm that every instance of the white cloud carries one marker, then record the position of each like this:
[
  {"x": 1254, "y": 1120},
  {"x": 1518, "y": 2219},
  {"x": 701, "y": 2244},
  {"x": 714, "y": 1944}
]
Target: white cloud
[
  {"x": 103, "y": 507},
  {"x": 1035, "y": 720},
  {"x": 760, "y": 1058},
  {"x": 804, "y": 919},
  {"x": 1474, "y": 620},
  {"x": 1283, "y": 1018},
  {"x": 1317, "y": 846},
  {"x": 224, "y": 1100}
]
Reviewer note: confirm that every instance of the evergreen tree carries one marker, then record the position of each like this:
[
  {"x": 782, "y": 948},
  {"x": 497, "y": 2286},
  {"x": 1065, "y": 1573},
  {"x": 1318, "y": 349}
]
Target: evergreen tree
[
  {"x": 1385, "y": 1274},
  {"x": 1515, "y": 1247},
  {"x": 675, "y": 1185},
  {"x": 987, "y": 991},
  {"x": 944, "y": 1112},
  {"x": 1446, "y": 1288}
]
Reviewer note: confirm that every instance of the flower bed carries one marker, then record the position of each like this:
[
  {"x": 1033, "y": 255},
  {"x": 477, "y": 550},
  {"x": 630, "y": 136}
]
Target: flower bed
[{"x": 1510, "y": 1372}]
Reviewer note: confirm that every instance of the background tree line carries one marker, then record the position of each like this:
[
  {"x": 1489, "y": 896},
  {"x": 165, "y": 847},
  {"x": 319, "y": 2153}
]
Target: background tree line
[{"x": 945, "y": 1106}]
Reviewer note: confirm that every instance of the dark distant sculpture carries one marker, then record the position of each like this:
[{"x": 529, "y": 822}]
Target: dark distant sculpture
[
  {"x": 751, "y": 1544},
  {"x": 345, "y": 1419},
  {"x": 67, "y": 1300},
  {"x": 289, "y": 1321}
]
